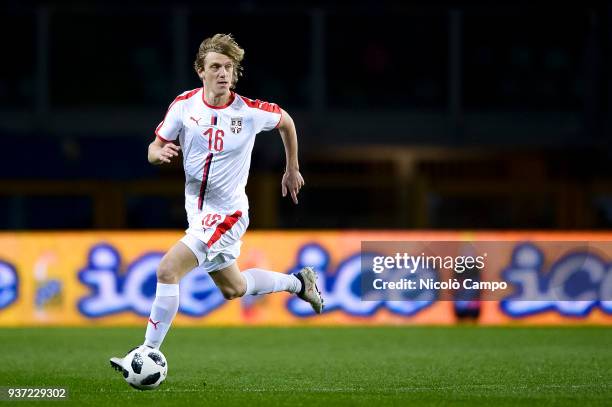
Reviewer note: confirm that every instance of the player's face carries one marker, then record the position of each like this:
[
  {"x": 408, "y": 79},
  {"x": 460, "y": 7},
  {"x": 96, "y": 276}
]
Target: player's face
[{"x": 217, "y": 74}]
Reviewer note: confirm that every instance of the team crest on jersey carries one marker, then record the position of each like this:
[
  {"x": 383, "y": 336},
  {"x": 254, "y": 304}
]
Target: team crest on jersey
[{"x": 236, "y": 125}]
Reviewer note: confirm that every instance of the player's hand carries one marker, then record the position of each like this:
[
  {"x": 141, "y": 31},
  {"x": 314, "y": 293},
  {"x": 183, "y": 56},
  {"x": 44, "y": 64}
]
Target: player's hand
[
  {"x": 292, "y": 183},
  {"x": 167, "y": 152}
]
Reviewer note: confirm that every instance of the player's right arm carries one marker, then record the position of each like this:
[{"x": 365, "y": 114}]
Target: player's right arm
[
  {"x": 163, "y": 148},
  {"x": 161, "y": 152}
]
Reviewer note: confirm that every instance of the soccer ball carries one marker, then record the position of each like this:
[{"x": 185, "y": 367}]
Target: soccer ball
[{"x": 144, "y": 368}]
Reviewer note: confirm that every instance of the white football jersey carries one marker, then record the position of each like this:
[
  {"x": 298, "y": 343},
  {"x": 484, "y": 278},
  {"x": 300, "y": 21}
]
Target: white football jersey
[{"x": 216, "y": 142}]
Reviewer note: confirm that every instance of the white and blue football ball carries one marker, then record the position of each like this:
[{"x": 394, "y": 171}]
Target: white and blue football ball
[{"x": 145, "y": 368}]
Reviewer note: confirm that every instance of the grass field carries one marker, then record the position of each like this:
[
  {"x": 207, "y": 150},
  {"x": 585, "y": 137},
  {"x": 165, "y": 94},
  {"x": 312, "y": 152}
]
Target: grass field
[{"x": 424, "y": 366}]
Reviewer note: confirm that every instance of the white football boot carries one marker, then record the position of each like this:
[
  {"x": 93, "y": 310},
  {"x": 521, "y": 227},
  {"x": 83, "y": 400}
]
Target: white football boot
[
  {"x": 117, "y": 363},
  {"x": 310, "y": 292}
]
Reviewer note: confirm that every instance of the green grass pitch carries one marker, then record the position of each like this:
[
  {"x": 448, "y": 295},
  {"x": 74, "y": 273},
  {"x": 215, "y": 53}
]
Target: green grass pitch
[{"x": 369, "y": 366}]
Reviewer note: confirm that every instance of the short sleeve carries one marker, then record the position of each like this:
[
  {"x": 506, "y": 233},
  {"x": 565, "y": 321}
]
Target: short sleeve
[
  {"x": 266, "y": 115},
  {"x": 270, "y": 118},
  {"x": 171, "y": 126}
]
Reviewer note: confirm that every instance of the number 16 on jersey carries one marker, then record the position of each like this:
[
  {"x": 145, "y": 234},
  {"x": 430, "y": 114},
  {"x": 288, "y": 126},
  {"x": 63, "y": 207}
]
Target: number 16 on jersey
[{"x": 215, "y": 142}]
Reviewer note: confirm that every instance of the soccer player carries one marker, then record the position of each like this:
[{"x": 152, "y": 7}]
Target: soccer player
[{"x": 215, "y": 129}]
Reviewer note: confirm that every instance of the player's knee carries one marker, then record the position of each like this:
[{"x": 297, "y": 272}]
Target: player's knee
[
  {"x": 166, "y": 273},
  {"x": 232, "y": 292}
]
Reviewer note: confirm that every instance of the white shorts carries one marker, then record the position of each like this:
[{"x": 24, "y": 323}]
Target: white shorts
[
  {"x": 215, "y": 250},
  {"x": 209, "y": 263}
]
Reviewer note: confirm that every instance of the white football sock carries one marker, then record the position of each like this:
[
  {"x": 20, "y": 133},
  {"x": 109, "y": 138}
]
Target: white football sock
[
  {"x": 163, "y": 311},
  {"x": 259, "y": 281}
]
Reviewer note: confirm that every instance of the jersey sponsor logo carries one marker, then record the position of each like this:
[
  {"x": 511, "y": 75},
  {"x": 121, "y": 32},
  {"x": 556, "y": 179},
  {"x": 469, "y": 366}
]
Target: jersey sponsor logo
[
  {"x": 236, "y": 125},
  {"x": 197, "y": 121}
]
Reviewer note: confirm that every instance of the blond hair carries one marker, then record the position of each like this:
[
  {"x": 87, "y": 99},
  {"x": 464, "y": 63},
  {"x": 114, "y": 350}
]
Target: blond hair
[{"x": 222, "y": 44}]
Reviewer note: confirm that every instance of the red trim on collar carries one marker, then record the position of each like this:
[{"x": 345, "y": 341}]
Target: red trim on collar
[{"x": 229, "y": 102}]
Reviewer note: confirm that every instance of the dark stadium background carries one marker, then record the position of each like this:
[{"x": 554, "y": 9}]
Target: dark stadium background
[{"x": 445, "y": 116}]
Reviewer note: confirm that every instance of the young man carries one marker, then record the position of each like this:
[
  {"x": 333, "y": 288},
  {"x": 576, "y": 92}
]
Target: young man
[{"x": 216, "y": 129}]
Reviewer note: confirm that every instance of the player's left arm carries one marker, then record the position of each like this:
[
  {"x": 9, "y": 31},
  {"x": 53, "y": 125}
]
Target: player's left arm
[{"x": 292, "y": 179}]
